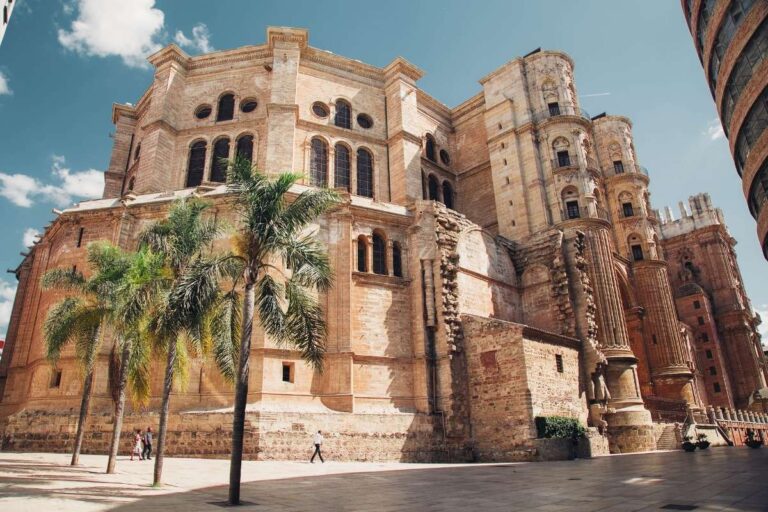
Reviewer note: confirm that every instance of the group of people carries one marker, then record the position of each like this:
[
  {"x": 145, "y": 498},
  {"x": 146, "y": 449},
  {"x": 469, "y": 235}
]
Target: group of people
[{"x": 142, "y": 444}]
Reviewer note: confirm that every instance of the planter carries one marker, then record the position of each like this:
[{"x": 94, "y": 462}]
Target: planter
[
  {"x": 702, "y": 445},
  {"x": 754, "y": 443},
  {"x": 689, "y": 446}
]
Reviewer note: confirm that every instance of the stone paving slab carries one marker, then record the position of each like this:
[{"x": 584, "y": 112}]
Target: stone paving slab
[{"x": 723, "y": 479}]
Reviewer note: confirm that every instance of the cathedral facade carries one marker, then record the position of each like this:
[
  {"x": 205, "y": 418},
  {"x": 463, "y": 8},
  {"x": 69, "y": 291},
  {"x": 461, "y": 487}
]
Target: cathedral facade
[{"x": 494, "y": 262}]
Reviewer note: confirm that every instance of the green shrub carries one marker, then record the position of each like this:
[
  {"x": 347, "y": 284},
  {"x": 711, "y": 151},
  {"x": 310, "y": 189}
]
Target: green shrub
[{"x": 559, "y": 427}]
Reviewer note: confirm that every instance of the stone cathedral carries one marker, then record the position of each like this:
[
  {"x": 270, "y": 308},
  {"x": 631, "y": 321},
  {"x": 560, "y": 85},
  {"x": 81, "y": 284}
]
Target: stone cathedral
[{"x": 494, "y": 262}]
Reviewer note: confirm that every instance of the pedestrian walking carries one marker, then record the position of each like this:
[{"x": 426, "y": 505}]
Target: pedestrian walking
[
  {"x": 147, "y": 441},
  {"x": 136, "y": 450},
  {"x": 318, "y": 441}
]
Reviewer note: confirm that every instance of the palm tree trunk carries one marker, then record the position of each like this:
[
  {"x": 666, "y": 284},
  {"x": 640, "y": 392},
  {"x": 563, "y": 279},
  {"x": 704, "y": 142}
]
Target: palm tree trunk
[
  {"x": 119, "y": 409},
  {"x": 85, "y": 404},
  {"x": 161, "y": 431},
  {"x": 241, "y": 396}
]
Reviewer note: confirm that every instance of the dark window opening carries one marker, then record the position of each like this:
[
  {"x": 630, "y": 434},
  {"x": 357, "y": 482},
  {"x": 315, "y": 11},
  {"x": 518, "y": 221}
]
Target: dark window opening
[
  {"x": 655, "y": 341},
  {"x": 203, "y": 111},
  {"x": 131, "y": 184},
  {"x": 700, "y": 320},
  {"x": 430, "y": 148},
  {"x": 397, "y": 260},
  {"x": 637, "y": 252},
  {"x": 379, "y": 255},
  {"x": 287, "y": 372},
  {"x": 696, "y": 304},
  {"x": 226, "y": 108},
  {"x": 196, "y": 164},
  {"x": 219, "y": 161},
  {"x": 318, "y": 164},
  {"x": 712, "y": 370},
  {"x": 80, "y": 237},
  {"x": 341, "y": 165},
  {"x": 245, "y": 147},
  {"x": 364, "y": 173},
  {"x": 628, "y": 210},
  {"x": 137, "y": 153},
  {"x": 445, "y": 157},
  {"x": 55, "y": 379},
  {"x": 554, "y": 108},
  {"x": 343, "y": 117},
  {"x": 572, "y": 209},
  {"x": 248, "y": 105},
  {"x": 320, "y": 109},
  {"x": 716, "y": 387},
  {"x": 559, "y": 363},
  {"x": 618, "y": 166},
  {"x": 362, "y": 254},
  {"x": 432, "y": 188},
  {"x": 365, "y": 121},
  {"x": 708, "y": 353},
  {"x": 447, "y": 195},
  {"x": 563, "y": 159},
  {"x": 704, "y": 336}
]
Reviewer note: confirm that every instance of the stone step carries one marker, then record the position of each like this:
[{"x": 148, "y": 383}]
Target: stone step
[{"x": 668, "y": 440}]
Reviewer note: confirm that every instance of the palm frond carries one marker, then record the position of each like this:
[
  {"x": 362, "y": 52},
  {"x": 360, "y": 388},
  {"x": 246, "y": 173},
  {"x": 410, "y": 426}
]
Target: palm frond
[
  {"x": 225, "y": 328},
  {"x": 309, "y": 261},
  {"x": 307, "y": 207},
  {"x": 59, "y": 326},
  {"x": 305, "y": 327},
  {"x": 268, "y": 294},
  {"x": 66, "y": 279}
]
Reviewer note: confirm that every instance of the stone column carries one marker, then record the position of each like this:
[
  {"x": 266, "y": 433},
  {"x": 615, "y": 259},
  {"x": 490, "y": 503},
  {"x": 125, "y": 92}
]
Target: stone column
[{"x": 667, "y": 351}]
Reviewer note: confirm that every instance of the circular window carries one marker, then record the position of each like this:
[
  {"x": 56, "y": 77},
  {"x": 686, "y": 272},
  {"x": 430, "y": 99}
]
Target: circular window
[
  {"x": 320, "y": 109},
  {"x": 203, "y": 111},
  {"x": 365, "y": 121},
  {"x": 248, "y": 105},
  {"x": 445, "y": 157}
]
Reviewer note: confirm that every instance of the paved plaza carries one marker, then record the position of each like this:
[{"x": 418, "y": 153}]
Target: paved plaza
[{"x": 727, "y": 479}]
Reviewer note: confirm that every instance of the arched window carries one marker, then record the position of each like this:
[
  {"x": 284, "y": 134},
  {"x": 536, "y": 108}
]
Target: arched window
[
  {"x": 379, "y": 255},
  {"x": 364, "y": 173},
  {"x": 341, "y": 167},
  {"x": 318, "y": 163},
  {"x": 423, "y": 185},
  {"x": 431, "y": 148},
  {"x": 635, "y": 247},
  {"x": 343, "y": 117},
  {"x": 226, "y": 108},
  {"x": 218, "y": 165},
  {"x": 137, "y": 153},
  {"x": 245, "y": 147},
  {"x": 362, "y": 254},
  {"x": 571, "y": 208},
  {"x": 196, "y": 164},
  {"x": 433, "y": 188},
  {"x": 397, "y": 260},
  {"x": 447, "y": 194}
]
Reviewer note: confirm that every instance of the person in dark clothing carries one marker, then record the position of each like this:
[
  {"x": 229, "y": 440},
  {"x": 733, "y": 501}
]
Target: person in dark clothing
[
  {"x": 147, "y": 442},
  {"x": 318, "y": 440}
]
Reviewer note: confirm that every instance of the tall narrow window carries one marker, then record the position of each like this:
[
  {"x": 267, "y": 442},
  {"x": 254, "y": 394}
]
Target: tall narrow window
[
  {"x": 447, "y": 194},
  {"x": 341, "y": 167},
  {"x": 430, "y": 149},
  {"x": 80, "y": 237},
  {"x": 55, "y": 379},
  {"x": 397, "y": 260},
  {"x": 364, "y": 173},
  {"x": 137, "y": 153},
  {"x": 637, "y": 252},
  {"x": 563, "y": 159},
  {"x": 572, "y": 209},
  {"x": 716, "y": 387},
  {"x": 696, "y": 304},
  {"x": 618, "y": 167},
  {"x": 362, "y": 254},
  {"x": 433, "y": 188},
  {"x": 131, "y": 184},
  {"x": 196, "y": 164},
  {"x": 379, "y": 255},
  {"x": 226, "y": 108},
  {"x": 559, "y": 363},
  {"x": 712, "y": 370},
  {"x": 318, "y": 164},
  {"x": 554, "y": 109},
  {"x": 343, "y": 117},
  {"x": 218, "y": 165},
  {"x": 708, "y": 353},
  {"x": 628, "y": 210},
  {"x": 245, "y": 147}
]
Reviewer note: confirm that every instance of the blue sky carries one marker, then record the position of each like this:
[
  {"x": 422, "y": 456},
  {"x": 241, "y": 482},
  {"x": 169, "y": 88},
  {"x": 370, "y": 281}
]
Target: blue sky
[{"x": 64, "y": 62}]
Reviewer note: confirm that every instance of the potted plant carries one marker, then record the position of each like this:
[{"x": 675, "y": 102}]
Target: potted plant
[
  {"x": 702, "y": 442},
  {"x": 753, "y": 441},
  {"x": 688, "y": 445}
]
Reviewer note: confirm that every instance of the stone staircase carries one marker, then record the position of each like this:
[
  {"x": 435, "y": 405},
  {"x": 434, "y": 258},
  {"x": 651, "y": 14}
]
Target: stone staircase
[{"x": 668, "y": 440}]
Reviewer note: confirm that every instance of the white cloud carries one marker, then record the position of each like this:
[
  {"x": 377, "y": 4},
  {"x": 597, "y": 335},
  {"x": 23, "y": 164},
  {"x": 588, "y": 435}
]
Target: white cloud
[
  {"x": 7, "y": 294},
  {"x": 30, "y": 235},
  {"x": 714, "y": 130},
  {"x": 762, "y": 310},
  {"x": 106, "y": 28},
  {"x": 4, "y": 87},
  {"x": 201, "y": 39},
  {"x": 23, "y": 190}
]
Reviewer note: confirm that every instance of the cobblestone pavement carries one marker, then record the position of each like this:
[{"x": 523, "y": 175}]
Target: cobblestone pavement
[{"x": 728, "y": 479}]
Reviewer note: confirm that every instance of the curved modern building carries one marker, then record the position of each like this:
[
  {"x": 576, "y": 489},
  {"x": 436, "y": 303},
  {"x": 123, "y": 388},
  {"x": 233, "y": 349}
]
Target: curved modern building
[{"x": 731, "y": 39}]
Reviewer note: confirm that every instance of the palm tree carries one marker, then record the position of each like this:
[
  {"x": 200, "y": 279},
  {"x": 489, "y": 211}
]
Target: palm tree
[
  {"x": 83, "y": 317},
  {"x": 140, "y": 283},
  {"x": 187, "y": 313},
  {"x": 272, "y": 228}
]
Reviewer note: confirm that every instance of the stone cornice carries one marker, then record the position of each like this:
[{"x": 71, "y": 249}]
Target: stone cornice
[
  {"x": 290, "y": 35},
  {"x": 435, "y": 106},
  {"x": 404, "y": 135},
  {"x": 401, "y": 67},
  {"x": 119, "y": 109},
  {"x": 331, "y": 62},
  {"x": 611, "y": 117},
  {"x": 171, "y": 53},
  {"x": 468, "y": 109},
  {"x": 340, "y": 133},
  {"x": 516, "y": 60}
]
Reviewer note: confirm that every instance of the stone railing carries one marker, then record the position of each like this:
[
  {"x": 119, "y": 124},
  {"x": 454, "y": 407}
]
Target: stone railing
[{"x": 737, "y": 423}]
